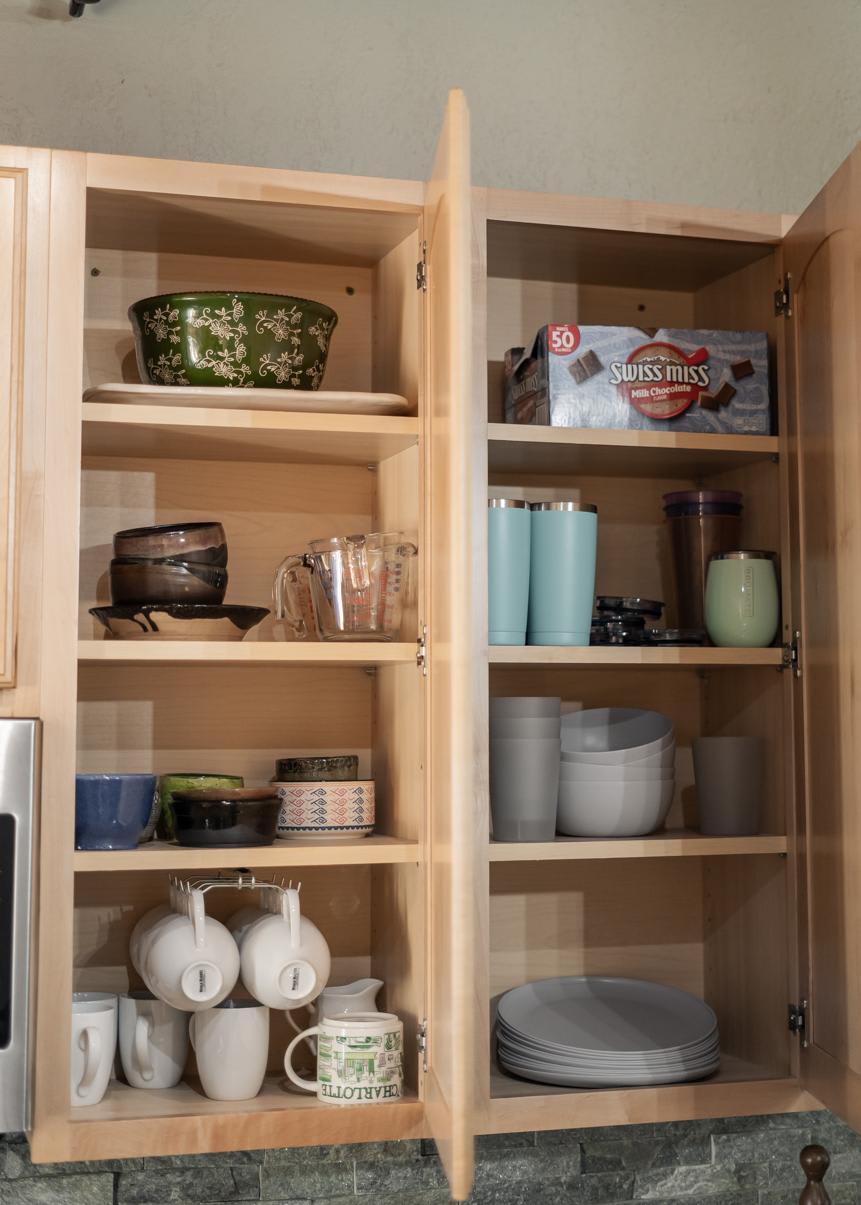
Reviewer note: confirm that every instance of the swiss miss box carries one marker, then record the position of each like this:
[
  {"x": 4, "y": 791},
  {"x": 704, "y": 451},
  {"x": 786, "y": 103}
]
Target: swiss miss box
[{"x": 631, "y": 377}]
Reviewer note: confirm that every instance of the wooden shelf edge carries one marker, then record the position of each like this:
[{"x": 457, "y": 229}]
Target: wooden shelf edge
[
  {"x": 674, "y": 844},
  {"x": 611, "y": 657},
  {"x": 213, "y": 418},
  {"x": 191, "y": 652},
  {"x": 598, "y": 452},
  {"x": 199, "y": 1125},
  {"x": 159, "y": 855},
  {"x": 718, "y": 1097},
  {"x": 666, "y": 441}
]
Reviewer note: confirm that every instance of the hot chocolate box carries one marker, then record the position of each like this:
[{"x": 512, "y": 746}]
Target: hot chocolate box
[{"x": 647, "y": 380}]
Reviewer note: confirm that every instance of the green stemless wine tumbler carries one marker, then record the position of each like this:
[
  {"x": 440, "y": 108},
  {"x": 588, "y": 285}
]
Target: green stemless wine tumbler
[
  {"x": 508, "y": 546},
  {"x": 742, "y": 606},
  {"x": 562, "y": 572}
]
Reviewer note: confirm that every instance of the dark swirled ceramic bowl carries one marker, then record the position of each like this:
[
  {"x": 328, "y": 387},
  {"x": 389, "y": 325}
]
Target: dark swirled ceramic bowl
[{"x": 240, "y": 339}]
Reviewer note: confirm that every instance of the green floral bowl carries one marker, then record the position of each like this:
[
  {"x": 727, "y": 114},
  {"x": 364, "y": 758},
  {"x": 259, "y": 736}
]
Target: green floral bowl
[{"x": 245, "y": 339}]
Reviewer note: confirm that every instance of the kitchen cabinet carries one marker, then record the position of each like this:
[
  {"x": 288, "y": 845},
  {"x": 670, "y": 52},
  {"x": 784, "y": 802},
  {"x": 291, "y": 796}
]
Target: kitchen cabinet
[
  {"x": 432, "y": 282},
  {"x": 24, "y": 177}
]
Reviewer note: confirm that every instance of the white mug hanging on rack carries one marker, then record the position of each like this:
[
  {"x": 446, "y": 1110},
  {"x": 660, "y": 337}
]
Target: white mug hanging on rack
[
  {"x": 285, "y": 959},
  {"x": 186, "y": 958}
]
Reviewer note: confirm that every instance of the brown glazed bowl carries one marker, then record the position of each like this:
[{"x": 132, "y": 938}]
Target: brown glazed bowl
[
  {"x": 203, "y": 543},
  {"x": 134, "y": 580}
]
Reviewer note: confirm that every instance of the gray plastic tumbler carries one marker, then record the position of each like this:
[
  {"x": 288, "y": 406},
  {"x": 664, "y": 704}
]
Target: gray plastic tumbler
[
  {"x": 524, "y": 788},
  {"x": 730, "y": 776}
]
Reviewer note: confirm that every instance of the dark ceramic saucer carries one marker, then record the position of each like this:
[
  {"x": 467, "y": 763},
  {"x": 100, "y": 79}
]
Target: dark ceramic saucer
[{"x": 179, "y": 621}]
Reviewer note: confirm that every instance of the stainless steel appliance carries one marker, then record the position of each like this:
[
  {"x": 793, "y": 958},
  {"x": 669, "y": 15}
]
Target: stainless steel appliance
[{"x": 19, "y": 792}]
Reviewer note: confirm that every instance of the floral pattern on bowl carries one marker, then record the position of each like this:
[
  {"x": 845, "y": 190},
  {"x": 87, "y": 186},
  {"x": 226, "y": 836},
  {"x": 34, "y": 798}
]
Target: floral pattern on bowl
[{"x": 238, "y": 339}]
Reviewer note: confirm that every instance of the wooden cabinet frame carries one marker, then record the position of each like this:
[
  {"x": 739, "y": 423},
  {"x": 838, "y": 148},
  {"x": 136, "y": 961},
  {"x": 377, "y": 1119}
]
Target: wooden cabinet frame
[{"x": 447, "y": 919}]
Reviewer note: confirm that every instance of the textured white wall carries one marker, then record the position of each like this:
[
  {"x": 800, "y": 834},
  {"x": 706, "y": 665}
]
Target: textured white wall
[{"x": 748, "y": 103}]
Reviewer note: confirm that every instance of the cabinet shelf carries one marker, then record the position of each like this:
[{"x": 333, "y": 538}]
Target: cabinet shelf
[
  {"x": 228, "y": 652},
  {"x": 738, "y": 1088},
  {"x": 112, "y": 429},
  {"x": 130, "y": 1122},
  {"x": 621, "y": 656},
  {"x": 160, "y": 855},
  {"x": 679, "y": 843},
  {"x": 607, "y": 453}
]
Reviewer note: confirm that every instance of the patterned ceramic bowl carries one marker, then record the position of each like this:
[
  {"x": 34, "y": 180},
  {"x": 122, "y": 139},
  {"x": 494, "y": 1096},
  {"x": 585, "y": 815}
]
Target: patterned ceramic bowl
[
  {"x": 331, "y": 811},
  {"x": 246, "y": 339}
]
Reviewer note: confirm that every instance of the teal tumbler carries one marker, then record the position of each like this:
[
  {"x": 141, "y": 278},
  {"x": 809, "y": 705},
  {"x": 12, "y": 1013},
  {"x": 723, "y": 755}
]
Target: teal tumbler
[
  {"x": 562, "y": 572},
  {"x": 508, "y": 546}
]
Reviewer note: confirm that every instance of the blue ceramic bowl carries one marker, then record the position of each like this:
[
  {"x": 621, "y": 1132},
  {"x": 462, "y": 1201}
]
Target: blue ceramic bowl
[{"x": 112, "y": 810}]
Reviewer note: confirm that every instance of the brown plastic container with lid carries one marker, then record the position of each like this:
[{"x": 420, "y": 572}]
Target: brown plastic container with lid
[{"x": 701, "y": 523}]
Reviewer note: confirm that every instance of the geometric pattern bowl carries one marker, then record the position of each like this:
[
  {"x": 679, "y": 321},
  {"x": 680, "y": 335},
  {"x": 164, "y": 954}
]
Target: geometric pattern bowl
[{"x": 325, "y": 810}]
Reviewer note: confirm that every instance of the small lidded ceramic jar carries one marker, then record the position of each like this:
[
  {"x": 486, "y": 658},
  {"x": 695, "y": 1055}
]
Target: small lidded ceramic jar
[{"x": 742, "y": 606}]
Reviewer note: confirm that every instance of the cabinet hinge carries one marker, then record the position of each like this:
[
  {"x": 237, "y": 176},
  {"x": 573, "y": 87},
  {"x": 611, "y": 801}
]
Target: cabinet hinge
[
  {"x": 422, "y": 1043},
  {"x": 783, "y": 299},
  {"x": 798, "y": 1021},
  {"x": 792, "y": 655},
  {"x": 422, "y": 270},
  {"x": 422, "y": 650}
]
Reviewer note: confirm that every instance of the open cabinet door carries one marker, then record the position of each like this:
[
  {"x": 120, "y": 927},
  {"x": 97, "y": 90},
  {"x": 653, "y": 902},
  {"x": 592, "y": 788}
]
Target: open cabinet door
[
  {"x": 451, "y": 493},
  {"x": 822, "y": 254}
]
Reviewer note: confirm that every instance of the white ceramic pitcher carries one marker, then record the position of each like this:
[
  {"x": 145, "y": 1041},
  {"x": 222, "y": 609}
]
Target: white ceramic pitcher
[{"x": 340, "y": 1001}]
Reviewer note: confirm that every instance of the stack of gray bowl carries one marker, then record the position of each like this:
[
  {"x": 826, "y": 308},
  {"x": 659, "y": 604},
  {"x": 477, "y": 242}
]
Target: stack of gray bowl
[
  {"x": 617, "y": 774},
  {"x": 524, "y": 767}
]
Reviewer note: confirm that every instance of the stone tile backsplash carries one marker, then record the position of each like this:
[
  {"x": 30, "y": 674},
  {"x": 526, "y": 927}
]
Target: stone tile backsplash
[{"x": 729, "y": 1161}]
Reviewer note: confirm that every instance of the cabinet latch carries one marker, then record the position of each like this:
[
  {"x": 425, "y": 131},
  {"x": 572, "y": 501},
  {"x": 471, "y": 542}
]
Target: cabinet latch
[
  {"x": 422, "y": 650},
  {"x": 792, "y": 655},
  {"x": 422, "y": 1043},
  {"x": 783, "y": 299},
  {"x": 422, "y": 270},
  {"x": 798, "y": 1021}
]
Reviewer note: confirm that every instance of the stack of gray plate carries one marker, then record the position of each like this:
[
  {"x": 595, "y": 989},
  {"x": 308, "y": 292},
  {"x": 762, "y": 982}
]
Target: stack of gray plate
[{"x": 586, "y": 1031}]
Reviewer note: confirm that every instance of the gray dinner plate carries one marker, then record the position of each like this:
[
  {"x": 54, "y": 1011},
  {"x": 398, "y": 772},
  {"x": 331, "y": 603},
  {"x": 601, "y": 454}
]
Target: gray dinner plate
[{"x": 592, "y": 1013}]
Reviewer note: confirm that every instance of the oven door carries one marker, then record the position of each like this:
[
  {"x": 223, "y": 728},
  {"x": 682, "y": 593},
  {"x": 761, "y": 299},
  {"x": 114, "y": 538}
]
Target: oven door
[{"x": 19, "y": 779}]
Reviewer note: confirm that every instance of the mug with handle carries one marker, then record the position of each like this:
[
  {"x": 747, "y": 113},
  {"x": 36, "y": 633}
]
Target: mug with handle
[
  {"x": 190, "y": 960},
  {"x": 94, "y": 1046},
  {"x": 231, "y": 1042},
  {"x": 359, "y": 1059},
  {"x": 285, "y": 959},
  {"x": 153, "y": 1039}
]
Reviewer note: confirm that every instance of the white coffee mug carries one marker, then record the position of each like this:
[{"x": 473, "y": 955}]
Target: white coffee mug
[
  {"x": 189, "y": 960},
  {"x": 285, "y": 958},
  {"x": 94, "y": 1045},
  {"x": 231, "y": 1042},
  {"x": 138, "y": 942},
  {"x": 153, "y": 1040},
  {"x": 359, "y": 1059}
]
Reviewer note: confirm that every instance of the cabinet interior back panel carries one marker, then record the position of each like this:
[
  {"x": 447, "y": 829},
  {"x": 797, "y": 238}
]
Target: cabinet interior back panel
[
  {"x": 115, "y": 279},
  {"x": 268, "y": 511},
  {"x": 219, "y": 719},
  {"x": 591, "y": 918}
]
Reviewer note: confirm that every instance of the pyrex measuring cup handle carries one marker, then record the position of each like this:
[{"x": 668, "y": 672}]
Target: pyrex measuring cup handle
[{"x": 285, "y": 594}]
